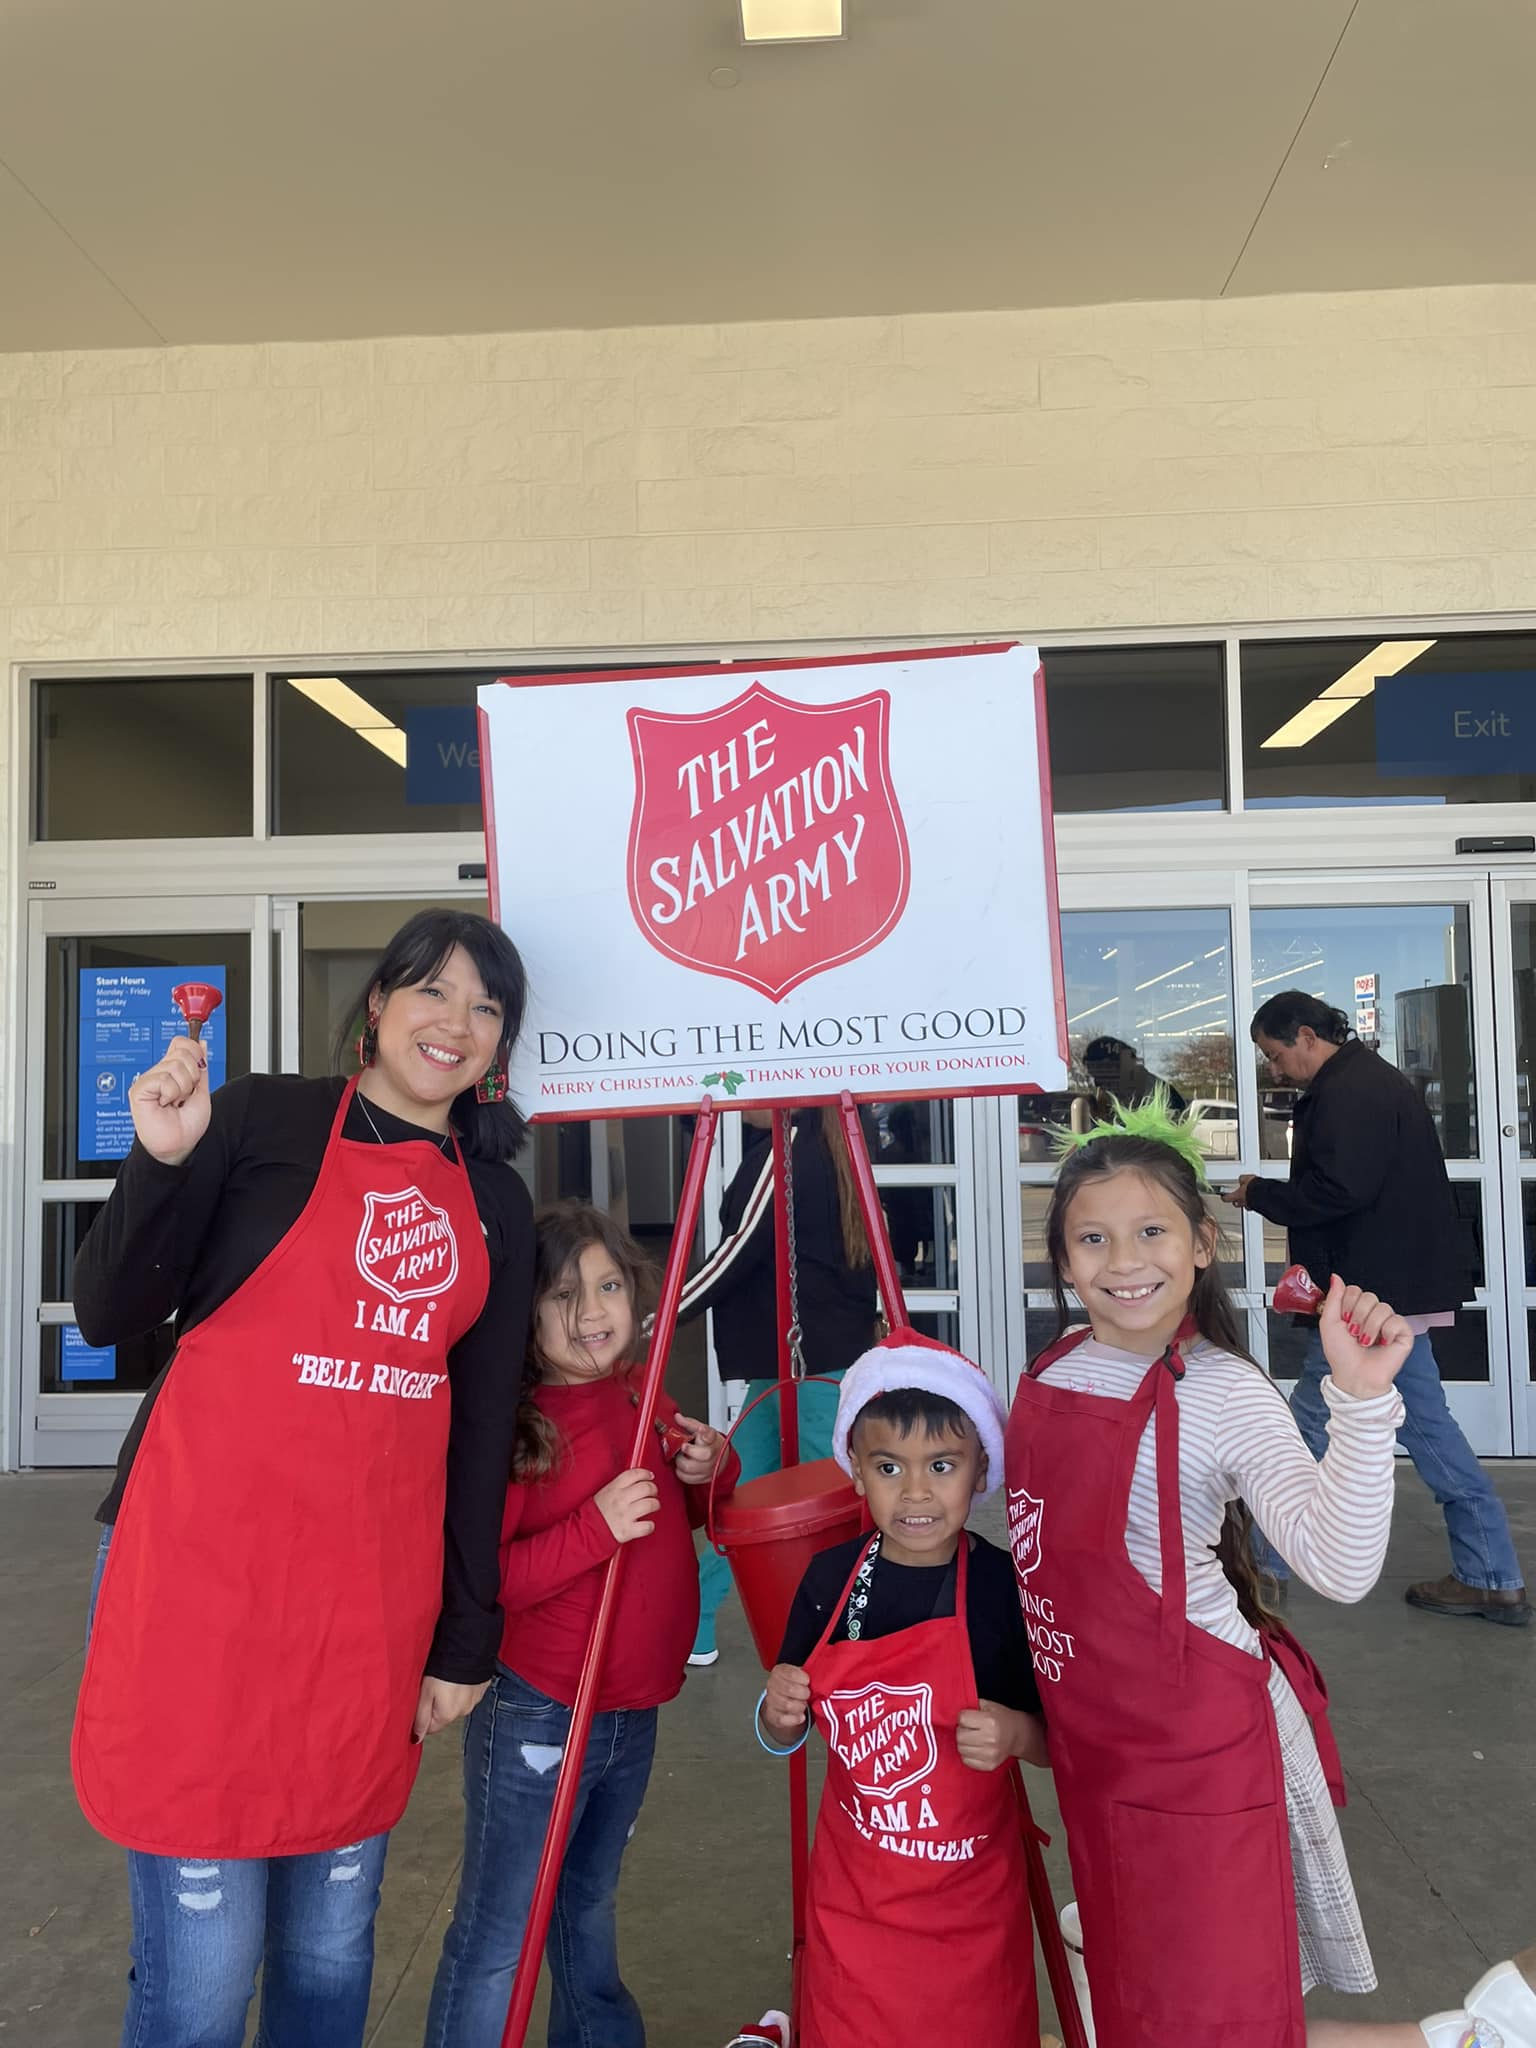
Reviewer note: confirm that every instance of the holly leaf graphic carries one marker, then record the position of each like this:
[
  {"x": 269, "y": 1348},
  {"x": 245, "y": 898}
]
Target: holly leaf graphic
[
  {"x": 714, "y": 1080},
  {"x": 729, "y": 1082}
]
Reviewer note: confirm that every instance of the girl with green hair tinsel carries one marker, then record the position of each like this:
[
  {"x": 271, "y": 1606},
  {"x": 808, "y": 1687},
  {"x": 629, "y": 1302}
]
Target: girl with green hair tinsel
[{"x": 1187, "y": 1728}]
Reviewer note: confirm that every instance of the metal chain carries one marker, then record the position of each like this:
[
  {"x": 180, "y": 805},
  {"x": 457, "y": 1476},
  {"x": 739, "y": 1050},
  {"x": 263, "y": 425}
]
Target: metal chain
[{"x": 796, "y": 1352}]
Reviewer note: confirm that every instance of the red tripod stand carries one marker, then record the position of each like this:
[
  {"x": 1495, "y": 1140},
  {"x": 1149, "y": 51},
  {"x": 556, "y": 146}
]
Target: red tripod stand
[{"x": 542, "y": 1905}]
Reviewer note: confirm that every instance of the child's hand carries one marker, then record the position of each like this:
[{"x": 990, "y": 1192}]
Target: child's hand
[
  {"x": 1365, "y": 1341},
  {"x": 787, "y": 1703},
  {"x": 627, "y": 1503},
  {"x": 988, "y": 1736},
  {"x": 696, "y": 1461}
]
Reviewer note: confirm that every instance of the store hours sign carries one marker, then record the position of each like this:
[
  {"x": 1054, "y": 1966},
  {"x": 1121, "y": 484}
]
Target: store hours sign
[{"x": 777, "y": 883}]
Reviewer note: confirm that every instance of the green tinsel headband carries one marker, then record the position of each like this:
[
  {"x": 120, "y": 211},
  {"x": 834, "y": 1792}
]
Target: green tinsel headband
[{"x": 1155, "y": 1119}]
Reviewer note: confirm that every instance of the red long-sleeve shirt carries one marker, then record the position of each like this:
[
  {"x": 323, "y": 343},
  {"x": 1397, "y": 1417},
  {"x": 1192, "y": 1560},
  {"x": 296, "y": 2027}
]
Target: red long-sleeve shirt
[{"x": 555, "y": 1543}]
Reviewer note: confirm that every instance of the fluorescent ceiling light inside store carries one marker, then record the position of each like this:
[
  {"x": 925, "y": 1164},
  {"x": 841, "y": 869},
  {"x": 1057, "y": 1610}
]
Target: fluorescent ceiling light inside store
[
  {"x": 343, "y": 703},
  {"x": 1355, "y": 684},
  {"x": 791, "y": 21}
]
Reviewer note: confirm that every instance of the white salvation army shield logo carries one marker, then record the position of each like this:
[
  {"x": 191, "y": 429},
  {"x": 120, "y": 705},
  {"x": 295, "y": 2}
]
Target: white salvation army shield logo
[
  {"x": 884, "y": 1736},
  {"x": 406, "y": 1247},
  {"x": 1025, "y": 1515}
]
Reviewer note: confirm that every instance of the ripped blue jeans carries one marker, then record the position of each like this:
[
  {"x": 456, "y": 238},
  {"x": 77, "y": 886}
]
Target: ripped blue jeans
[
  {"x": 513, "y": 1743},
  {"x": 203, "y": 1926}
]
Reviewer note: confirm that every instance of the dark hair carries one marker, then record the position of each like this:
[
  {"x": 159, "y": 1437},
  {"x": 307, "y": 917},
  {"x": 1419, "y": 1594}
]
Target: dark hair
[
  {"x": 910, "y": 1408},
  {"x": 486, "y": 1130},
  {"x": 562, "y": 1232},
  {"x": 1293, "y": 1010},
  {"x": 1210, "y": 1305}
]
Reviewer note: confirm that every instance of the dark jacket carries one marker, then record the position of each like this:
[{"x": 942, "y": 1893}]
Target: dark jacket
[
  {"x": 738, "y": 1279},
  {"x": 1369, "y": 1197}
]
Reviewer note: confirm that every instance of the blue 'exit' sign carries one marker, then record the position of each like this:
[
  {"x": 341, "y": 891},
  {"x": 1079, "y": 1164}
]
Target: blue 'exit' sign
[{"x": 1457, "y": 724}]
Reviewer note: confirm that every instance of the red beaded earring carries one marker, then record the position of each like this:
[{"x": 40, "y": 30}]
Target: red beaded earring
[
  {"x": 368, "y": 1042},
  {"x": 492, "y": 1085}
]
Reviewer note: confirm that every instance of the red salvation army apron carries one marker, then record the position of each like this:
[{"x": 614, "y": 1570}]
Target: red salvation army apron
[
  {"x": 917, "y": 1902},
  {"x": 275, "y": 1573},
  {"x": 1162, "y": 1738}
]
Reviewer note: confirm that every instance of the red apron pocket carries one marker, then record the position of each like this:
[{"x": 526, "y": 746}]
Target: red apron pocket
[{"x": 1194, "y": 1942}]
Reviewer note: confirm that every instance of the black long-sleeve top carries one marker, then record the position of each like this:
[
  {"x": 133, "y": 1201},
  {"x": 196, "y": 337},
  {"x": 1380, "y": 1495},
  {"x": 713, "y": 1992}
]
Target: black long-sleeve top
[
  {"x": 179, "y": 1240},
  {"x": 738, "y": 1280},
  {"x": 1369, "y": 1197},
  {"x": 903, "y": 1595}
]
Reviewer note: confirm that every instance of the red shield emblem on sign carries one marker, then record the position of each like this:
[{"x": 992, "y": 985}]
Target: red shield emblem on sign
[
  {"x": 1025, "y": 1515},
  {"x": 884, "y": 1734},
  {"x": 406, "y": 1247},
  {"x": 766, "y": 844}
]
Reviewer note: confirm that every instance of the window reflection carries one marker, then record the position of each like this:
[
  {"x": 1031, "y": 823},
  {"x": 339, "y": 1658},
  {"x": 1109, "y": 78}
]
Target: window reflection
[
  {"x": 1149, "y": 1002},
  {"x": 104, "y": 769},
  {"x": 1137, "y": 728},
  {"x": 1401, "y": 973},
  {"x": 1371, "y": 721}
]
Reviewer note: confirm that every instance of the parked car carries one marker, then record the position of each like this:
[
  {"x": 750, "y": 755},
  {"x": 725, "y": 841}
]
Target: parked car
[
  {"x": 1215, "y": 1127},
  {"x": 1042, "y": 1118}
]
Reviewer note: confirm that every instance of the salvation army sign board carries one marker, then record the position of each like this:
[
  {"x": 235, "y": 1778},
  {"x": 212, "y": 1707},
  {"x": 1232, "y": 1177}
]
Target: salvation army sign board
[{"x": 777, "y": 883}]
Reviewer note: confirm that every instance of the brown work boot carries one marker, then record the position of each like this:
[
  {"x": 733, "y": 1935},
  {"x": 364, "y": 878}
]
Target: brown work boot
[{"x": 1507, "y": 1604}]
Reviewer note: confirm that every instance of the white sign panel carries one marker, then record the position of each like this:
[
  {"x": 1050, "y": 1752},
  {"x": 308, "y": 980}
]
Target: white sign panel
[
  {"x": 1365, "y": 988},
  {"x": 777, "y": 883}
]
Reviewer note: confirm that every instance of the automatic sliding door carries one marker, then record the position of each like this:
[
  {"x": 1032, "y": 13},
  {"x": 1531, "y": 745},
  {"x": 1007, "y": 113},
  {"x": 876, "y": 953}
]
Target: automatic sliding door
[{"x": 100, "y": 976}]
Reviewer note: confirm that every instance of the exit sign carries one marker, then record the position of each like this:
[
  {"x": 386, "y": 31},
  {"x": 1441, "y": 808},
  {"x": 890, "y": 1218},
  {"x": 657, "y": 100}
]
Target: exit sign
[{"x": 1474, "y": 724}]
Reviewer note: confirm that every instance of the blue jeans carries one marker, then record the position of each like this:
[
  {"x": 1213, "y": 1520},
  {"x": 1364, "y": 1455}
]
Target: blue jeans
[
  {"x": 756, "y": 1443},
  {"x": 513, "y": 1743},
  {"x": 1482, "y": 1549},
  {"x": 203, "y": 1926}
]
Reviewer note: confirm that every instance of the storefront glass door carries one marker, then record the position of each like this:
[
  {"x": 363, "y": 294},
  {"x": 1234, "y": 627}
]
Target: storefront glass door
[
  {"x": 99, "y": 1008},
  {"x": 1514, "y": 952},
  {"x": 1412, "y": 965}
]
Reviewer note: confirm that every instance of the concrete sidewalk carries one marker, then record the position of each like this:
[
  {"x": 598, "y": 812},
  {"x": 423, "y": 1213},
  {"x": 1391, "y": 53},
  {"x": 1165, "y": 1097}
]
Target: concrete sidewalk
[{"x": 1435, "y": 1720}]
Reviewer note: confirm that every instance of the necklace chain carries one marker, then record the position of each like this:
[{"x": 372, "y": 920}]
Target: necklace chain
[{"x": 439, "y": 1138}]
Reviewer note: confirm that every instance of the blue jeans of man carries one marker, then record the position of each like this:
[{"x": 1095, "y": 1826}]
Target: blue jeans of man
[
  {"x": 513, "y": 1744},
  {"x": 1482, "y": 1549},
  {"x": 756, "y": 1443},
  {"x": 202, "y": 1926}
]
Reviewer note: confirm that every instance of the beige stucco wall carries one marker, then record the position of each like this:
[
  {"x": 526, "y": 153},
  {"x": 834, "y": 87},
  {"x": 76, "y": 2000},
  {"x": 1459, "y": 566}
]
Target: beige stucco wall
[{"x": 1030, "y": 473}]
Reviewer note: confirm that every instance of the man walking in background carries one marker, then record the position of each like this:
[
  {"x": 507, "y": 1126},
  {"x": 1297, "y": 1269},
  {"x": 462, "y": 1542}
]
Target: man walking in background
[{"x": 1369, "y": 1198}]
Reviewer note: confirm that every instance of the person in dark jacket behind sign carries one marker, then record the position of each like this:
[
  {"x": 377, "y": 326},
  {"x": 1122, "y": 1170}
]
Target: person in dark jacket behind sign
[
  {"x": 1369, "y": 1197},
  {"x": 739, "y": 1282}
]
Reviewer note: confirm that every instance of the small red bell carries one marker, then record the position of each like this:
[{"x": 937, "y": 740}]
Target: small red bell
[
  {"x": 197, "y": 1001},
  {"x": 1297, "y": 1293}
]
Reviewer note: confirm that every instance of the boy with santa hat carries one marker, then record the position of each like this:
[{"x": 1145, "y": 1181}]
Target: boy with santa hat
[{"x": 907, "y": 1647}]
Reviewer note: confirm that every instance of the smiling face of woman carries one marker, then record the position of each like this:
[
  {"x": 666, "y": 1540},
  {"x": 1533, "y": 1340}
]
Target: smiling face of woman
[{"x": 435, "y": 1039}]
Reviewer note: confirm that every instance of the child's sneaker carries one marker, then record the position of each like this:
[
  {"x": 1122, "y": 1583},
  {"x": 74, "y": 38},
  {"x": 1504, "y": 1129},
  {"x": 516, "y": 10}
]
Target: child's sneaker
[
  {"x": 1500, "y": 2011},
  {"x": 772, "y": 2029}
]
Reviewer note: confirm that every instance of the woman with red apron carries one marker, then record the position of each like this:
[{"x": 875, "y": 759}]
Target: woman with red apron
[
  {"x": 351, "y": 1268},
  {"x": 897, "y": 1951},
  {"x": 1173, "y": 1744}
]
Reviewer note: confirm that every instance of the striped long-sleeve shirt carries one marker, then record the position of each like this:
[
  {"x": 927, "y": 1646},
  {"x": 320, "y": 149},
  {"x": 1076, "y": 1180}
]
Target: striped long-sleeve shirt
[{"x": 1238, "y": 1440}]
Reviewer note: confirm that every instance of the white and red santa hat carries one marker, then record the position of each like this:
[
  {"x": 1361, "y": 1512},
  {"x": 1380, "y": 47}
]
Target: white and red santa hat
[{"x": 906, "y": 1358}]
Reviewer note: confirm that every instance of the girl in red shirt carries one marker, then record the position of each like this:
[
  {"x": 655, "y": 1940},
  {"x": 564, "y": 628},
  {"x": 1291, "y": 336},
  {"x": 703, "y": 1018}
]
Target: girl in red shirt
[{"x": 573, "y": 1500}]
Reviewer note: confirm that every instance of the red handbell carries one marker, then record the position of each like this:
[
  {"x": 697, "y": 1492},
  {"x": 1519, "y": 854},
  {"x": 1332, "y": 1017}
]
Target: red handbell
[
  {"x": 197, "y": 1001},
  {"x": 1297, "y": 1293}
]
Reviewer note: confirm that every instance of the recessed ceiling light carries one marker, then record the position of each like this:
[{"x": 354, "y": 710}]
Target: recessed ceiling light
[
  {"x": 1358, "y": 682},
  {"x": 791, "y": 21},
  {"x": 344, "y": 704}
]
